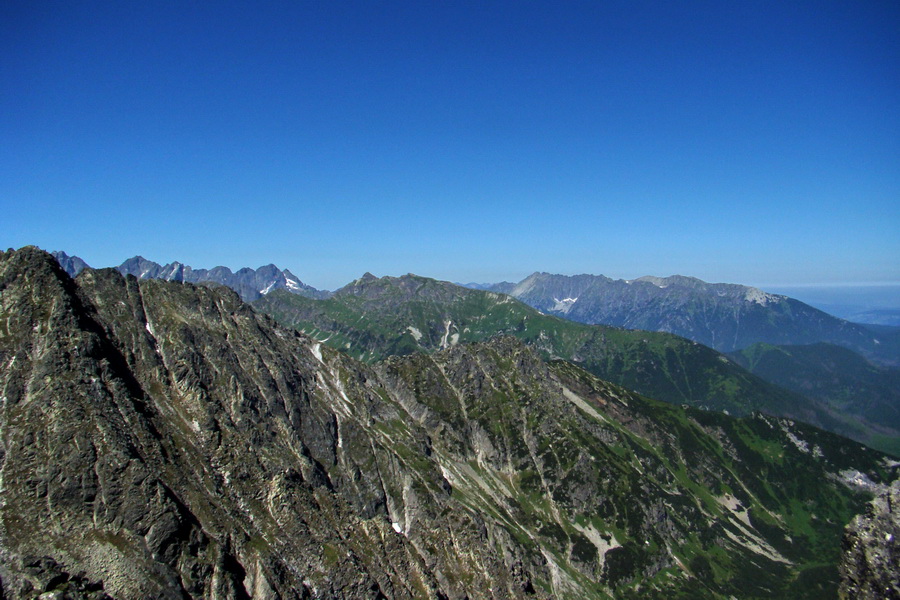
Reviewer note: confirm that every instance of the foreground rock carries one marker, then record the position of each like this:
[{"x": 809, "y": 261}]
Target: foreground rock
[{"x": 870, "y": 569}]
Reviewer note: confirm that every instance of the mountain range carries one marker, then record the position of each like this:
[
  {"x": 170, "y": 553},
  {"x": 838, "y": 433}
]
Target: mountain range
[
  {"x": 726, "y": 317},
  {"x": 249, "y": 283},
  {"x": 164, "y": 440},
  {"x": 372, "y": 318}
]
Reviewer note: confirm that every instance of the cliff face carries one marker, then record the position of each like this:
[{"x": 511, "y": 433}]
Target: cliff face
[
  {"x": 160, "y": 440},
  {"x": 869, "y": 569}
]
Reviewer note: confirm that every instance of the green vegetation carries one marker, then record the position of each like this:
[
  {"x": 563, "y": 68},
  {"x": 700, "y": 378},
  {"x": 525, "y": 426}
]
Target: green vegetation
[
  {"x": 866, "y": 396},
  {"x": 375, "y": 318}
]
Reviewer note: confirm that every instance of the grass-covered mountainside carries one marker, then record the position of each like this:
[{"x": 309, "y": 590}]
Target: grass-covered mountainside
[
  {"x": 161, "y": 440},
  {"x": 723, "y": 316},
  {"x": 377, "y": 317},
  {"x": 838, "y": 377}
]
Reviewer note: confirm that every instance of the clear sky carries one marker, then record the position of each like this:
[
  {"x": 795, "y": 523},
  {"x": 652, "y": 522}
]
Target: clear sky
[{"x": 748, "y": 142}]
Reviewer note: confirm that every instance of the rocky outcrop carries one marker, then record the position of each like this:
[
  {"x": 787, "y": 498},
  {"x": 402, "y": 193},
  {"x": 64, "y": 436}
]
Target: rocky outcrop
[
  {"x": 870, "y": 568},
  {"x": 162, "y": 440}
]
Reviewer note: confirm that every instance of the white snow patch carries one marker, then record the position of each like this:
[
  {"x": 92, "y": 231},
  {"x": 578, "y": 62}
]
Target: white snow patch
[
  {"x": 415, "y": 332},
  {"x": 149, "y": 328},
  {"x": 316, "y": 350},
  {"x": 454, "y": 339},
  {"x": 397, "y": 527},
  {"x": 293, "y": 285},
  {"x": 268, "y": 289},
  {"x": 564, "y": 305}
]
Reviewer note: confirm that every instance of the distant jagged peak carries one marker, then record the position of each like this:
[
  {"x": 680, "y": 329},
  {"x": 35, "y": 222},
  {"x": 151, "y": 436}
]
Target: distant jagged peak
[
  {"x": 70, "y": 264},
  {"x": 250, "y": 283}
]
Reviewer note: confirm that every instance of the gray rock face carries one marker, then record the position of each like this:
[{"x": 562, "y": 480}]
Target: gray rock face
[
  {"x": 870, "y": 569},
  {"x": 162, "y": 440},
  {"x": 250, "y": 284}
]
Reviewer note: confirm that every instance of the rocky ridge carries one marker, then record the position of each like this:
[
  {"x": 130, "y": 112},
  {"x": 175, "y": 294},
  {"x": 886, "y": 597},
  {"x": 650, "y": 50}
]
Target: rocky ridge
[
  {"x": 723, "y": 316},
  {"x": 249, "y": 283},
  {"x": 869, "y": 568}
]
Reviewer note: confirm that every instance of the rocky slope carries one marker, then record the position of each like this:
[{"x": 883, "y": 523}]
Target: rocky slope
[
  {"x": 869, "y": 568},
  {"x": 723, "y": 316},
  {"x": 249, "y": 283},
  {"x": 161, "y": 440}
]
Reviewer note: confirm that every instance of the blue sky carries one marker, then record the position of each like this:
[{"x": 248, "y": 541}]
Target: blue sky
[{"x": 748, "y": 142}]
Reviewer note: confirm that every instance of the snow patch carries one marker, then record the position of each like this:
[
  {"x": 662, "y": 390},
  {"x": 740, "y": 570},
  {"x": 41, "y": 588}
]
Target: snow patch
[
  {"x": 564, "y": 305},
  {"x": 397, "y": 527},
  {"x": 415, "y": 332},
  {"x": 268, "y": 289},
  {"x": 316, "y": 350},
  {"x": 293, "y": 285}
]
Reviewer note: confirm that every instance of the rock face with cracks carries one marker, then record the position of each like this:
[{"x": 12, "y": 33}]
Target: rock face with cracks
[
  {"x": 870, "y": 568},
  {"x": 161, "y": 440}
]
